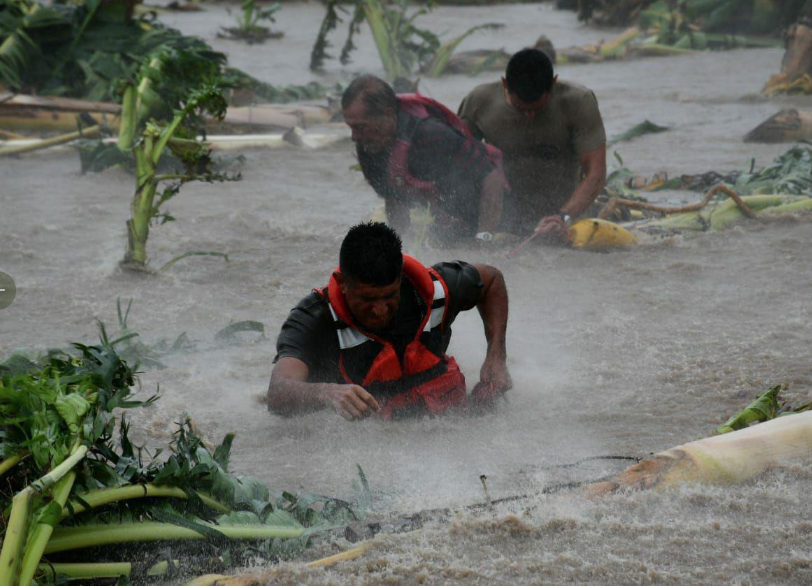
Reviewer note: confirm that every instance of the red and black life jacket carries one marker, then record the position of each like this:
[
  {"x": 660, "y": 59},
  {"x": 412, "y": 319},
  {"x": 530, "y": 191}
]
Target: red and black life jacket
[
  {"x": 420, "y": 108},
  {"x": 426, "y": 377}
]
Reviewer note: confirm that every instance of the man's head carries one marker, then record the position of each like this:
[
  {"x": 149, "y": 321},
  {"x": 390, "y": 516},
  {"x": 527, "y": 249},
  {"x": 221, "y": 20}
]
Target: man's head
[
  {"x": 528, "y": 81},
  {"x": 370, "y": 110},
  {"x": 371, "y": 261}
]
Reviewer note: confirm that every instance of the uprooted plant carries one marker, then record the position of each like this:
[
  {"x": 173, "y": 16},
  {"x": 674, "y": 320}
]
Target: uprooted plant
[
  {"x": 73, "y": 480},
  {"x": 404, "y": 48}
]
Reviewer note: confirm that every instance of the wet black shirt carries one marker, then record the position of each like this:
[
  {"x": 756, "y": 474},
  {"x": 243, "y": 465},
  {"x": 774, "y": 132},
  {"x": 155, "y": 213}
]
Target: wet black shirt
[
  {"x": 309, "y": 334},
  {"x": 454, "y": 164}
]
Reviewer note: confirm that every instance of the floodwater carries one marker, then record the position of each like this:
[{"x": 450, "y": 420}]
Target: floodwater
[{"x": 623, "y": 353}]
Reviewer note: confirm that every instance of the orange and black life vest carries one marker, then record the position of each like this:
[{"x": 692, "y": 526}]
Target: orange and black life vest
[{"x": 426, "y": 376}]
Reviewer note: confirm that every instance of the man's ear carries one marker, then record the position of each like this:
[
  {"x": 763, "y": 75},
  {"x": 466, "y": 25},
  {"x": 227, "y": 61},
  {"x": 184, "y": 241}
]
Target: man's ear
[
  {"x": 504, "y": 82},
  {"x": 341, "y": 280},
  {"x": 555, "y": 79}
]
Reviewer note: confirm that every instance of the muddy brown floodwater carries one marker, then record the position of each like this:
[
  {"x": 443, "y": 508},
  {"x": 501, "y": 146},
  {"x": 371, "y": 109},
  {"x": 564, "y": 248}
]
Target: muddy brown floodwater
[{"x": 624, "y": 353}]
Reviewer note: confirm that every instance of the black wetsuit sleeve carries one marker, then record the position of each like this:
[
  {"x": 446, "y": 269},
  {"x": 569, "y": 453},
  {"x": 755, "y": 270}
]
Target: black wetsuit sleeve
[
  {"x": 464, "y": 286},
  {"x": 309, "y": 335},
  {"x": 454, "y": 163}
]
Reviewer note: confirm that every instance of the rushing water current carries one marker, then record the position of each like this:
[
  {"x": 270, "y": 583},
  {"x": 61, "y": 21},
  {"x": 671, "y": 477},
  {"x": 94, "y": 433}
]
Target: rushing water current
[{"x": 622, "y": 353}]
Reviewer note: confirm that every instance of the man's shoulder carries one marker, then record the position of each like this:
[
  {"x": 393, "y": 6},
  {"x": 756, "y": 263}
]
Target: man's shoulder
[
  {"x": 571, "y": 94},
  {"x": 314, "y": 304},
  {"x": 452, "y": 272},
  {"x": 485, "y": 94}
]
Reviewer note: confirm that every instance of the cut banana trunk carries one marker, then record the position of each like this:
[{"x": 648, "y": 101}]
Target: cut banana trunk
[{"x": 724, "y": 459}]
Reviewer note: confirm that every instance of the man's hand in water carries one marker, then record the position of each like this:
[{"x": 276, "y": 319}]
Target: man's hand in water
[
  {"x": 352, "y": 402},
  {"x": 494, "y": 380},
  {"x": 553, "y": 229}
]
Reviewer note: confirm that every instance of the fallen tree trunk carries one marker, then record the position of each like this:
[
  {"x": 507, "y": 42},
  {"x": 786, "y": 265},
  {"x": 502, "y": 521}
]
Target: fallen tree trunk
[
  {"x": 788, "y": 125},
  {"x": 733, "y": 457}
]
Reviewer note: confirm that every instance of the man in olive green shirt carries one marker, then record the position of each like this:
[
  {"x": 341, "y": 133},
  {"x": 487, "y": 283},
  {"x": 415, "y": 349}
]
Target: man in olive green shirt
[{"x": 553, "y": 140}]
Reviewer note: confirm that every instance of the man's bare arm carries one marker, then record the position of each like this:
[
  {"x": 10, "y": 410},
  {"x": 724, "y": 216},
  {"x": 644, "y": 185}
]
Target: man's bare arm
[
  {"x": 493, "y": 307},
  {"x": 490, "y": 201},
  {"x": 593, "y": 164},
  {"x": 289, "y": 393}
]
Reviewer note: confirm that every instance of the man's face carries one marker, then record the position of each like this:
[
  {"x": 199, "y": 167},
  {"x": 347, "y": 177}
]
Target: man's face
[
  {"x": 372, "y": 307},
  {"x": 373, "y": 133},
  {"x": 527, "y": 109}
]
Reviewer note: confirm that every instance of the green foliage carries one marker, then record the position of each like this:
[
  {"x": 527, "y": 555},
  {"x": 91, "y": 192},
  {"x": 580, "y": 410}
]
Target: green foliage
[
  {"x": 789, "y": 173},
  {"x": 86, "y": 50},
  {"x": 764, "y": 408},
  {"x": 264, "y": 92},
  {"x": 153, "y": 142},
  {"x": 72, "y": 399}
]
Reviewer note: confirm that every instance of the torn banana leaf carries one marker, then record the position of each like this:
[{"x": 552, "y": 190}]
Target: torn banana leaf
[{"x": 765, "y": 407}]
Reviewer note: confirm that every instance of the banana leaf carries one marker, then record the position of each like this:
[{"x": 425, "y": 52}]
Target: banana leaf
[
  {"x": 441, "y": 57},
  {"x": 645, "y": 127},
  {"x": 763, "y": 408},
  {"x": 789, "y": 173}
]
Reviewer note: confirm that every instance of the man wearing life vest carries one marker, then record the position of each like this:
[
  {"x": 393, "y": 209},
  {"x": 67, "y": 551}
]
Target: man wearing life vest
[
  {"x": 413, "y": 149},
  {"x": 374, "y": 340}
]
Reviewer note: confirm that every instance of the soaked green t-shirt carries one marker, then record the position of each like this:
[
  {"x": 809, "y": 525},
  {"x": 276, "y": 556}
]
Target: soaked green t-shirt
[{"x": 540, "y": 155}]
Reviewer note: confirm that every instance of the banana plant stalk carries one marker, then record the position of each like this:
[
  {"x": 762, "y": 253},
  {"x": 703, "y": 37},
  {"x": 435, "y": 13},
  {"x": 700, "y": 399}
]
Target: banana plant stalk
[
  {"x": 148, "y": 151},
  {"x": 71, "y": 538},
  {"x": 97, "y": 571},
  {"x": 11, "y": 462},
  {"x": 99, "y": 498},
  {"x": 14, "y": 542},
  {"x": 383, "y": 36}
]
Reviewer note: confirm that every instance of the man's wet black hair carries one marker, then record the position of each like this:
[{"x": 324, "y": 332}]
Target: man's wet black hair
[
  {"x": 371, "y": 254},
  {"x": 529, "y": 74},
  {"x": 378, "y": 96}
]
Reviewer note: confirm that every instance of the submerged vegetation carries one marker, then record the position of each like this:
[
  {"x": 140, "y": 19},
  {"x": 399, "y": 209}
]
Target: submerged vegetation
[
  {"x": 249, "y": 27},
  {"x": 88, "y": 50},
  {"x": 72, "y": 479}
]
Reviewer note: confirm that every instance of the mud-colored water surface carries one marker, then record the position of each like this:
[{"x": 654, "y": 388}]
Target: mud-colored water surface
[{"x": 622, "y": 353}]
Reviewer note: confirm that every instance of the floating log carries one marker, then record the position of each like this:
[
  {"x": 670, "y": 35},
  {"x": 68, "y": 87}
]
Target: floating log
[
  {"x": 294, "y": 137},
  {"x": 275, "y": 116},
  {"x": 788, "y": 125},
  {"x": 24, "y": 112},
  {"x": 39, "y": 113},
  {"x": 725, "y": 459}
]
